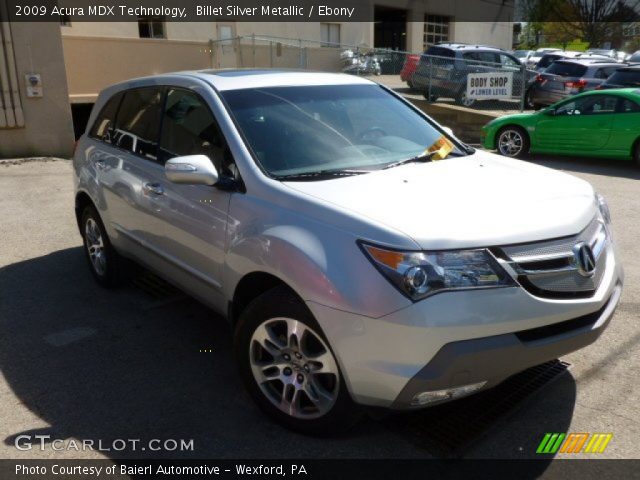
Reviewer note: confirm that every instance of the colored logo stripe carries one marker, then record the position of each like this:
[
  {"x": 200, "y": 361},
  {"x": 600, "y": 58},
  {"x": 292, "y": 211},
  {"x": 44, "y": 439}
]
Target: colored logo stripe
[
  {"x": 550, "y": 443},
  {"x": 598, "y": 442},
  {"x": 573, "y": 443}
]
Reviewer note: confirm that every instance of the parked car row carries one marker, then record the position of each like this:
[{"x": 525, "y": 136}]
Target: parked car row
[{"x": 551, "y": 74}]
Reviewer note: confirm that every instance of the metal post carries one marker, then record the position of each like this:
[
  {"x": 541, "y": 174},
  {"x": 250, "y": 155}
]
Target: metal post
[
  {"x": 430, "y": 74},
  {"x": 271, "y": 53},
  {"x": 300, "y": 53},
  {"x": 253, "y": 43},
  {"x": 523, "y": 91}
]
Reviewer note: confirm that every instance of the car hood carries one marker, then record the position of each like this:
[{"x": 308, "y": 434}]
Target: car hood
[
  {"x": 474, "y": 201},
  {"x": 505, "y": 119}
]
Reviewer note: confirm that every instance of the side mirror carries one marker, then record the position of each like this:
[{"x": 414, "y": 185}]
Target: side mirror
[
  {"x": 191, "y": 170},
  {"x": 550, "y": 111},
  {"x": 448, "y": 131}
]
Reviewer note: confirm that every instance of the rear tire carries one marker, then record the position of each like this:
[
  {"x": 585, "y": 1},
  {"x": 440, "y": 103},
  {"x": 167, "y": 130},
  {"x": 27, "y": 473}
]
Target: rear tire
[
  {"x": 512, "y": 141},
  {"x": 104, "y": 262},
  {"x": 636, "y": 153},
  {"x": 288, "y": 368}
]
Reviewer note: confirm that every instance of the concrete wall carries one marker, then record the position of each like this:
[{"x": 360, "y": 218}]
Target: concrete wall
[
  {"x": 48, "y": 129},
  {"x": 93, "y": 63}
]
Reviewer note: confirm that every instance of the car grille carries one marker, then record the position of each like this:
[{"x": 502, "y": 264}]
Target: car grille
[{"x": 549, "y": 268}]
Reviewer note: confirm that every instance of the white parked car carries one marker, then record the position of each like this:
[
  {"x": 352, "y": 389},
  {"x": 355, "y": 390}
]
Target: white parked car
[{"x": 362, "y": 254}]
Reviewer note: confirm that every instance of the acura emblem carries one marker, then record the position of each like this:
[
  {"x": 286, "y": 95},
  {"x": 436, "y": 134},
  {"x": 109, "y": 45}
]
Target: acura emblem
[{"x": 584, "y": 259}]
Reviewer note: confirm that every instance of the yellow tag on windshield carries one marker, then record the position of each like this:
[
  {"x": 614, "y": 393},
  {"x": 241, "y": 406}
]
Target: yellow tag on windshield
[{"x": 442, "y": 147}]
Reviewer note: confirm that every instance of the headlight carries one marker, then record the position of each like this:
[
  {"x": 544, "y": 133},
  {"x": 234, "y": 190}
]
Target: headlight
[
  {"x": 420, "y": 274},
  {"x": 603, "y": 206}
]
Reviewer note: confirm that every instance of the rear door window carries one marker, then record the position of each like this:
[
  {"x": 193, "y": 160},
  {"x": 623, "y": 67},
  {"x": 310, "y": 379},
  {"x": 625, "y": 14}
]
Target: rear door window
[
  {"x": 565, "y": 69},
  {"x": 626, "y": 77},
  {"x": 103, "y": 126},
  {"x": 138, "y": 122}
]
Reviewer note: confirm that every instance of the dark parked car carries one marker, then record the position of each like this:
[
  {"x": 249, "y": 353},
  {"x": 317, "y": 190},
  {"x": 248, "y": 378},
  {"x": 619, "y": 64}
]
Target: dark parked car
[
  {"x": 442, "y": 70},
  {"x": 548, "y": 58},
  {"x": 568, "y": 77},
  {"x": 623, "y": 78}
]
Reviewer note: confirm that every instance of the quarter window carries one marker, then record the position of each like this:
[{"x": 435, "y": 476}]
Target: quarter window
[
  {"x": 628, "y": 106},
  {"x": 189, "y": 128},
  {"x": 103, "y": 127},
  {"x": 138, "y": 122}
]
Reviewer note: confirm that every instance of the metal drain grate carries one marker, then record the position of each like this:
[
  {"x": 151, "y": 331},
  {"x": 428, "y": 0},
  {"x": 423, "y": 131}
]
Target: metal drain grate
[{"x": 445, "y": 430}]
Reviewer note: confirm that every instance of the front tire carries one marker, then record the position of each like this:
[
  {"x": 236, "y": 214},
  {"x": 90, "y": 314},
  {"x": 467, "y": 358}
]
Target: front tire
[
  {"x": 512, "y": 141},
  {"x": 104, "y": 261},
  {"x": 288, "y": 367},
  {"x": 464, "y": 100}
]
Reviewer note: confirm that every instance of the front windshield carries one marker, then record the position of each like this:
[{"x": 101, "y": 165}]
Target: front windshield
[{"x": 307, "y": 129}]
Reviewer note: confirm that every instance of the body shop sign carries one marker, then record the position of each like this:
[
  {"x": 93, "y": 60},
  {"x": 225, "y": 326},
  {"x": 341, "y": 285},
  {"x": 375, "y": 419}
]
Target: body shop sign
[{"x": 490, "y": 86}]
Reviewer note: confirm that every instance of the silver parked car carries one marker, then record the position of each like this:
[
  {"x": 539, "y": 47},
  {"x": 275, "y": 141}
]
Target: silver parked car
[{"x": 362, "y": 254}]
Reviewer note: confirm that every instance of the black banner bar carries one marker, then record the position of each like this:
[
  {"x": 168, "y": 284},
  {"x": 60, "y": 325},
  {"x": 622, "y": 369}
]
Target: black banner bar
[{"x": 320, "y": 469}]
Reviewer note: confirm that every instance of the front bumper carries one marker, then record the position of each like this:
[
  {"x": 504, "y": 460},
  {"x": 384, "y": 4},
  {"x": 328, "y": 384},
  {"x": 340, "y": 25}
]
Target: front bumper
[{"x": 458, "y": 338}]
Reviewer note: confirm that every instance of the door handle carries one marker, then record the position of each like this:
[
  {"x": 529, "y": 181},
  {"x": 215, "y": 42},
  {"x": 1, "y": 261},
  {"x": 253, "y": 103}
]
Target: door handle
[{"x": 153, "y": 189}]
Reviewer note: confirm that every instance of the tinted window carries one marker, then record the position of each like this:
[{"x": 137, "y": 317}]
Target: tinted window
[
  {"x": 138, "y": 121},
  {"x": 604, "y": 72},
  {"x": 590, "y": 105},
  {"x": 509, "y": 61},
  {"x": 635, "y": 57},
  {"x": 628, "y": 106},
  {"x": 565, "y": 69},
  {"x": 440, "y": 52},
  {"x": 627, "y": 78},
  {"x": 103, "y": 126},
  {"x": 481, "y": 57},
  {"x": 547, "y": 60},
  {"x": 189, "y": 128}
]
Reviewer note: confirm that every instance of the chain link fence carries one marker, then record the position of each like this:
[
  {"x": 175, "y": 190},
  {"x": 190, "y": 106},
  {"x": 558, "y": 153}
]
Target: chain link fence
[{"x": 476, "y": 84}]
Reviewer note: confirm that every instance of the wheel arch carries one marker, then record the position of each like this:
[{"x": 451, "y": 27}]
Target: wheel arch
[
  {"x": 634, "y": 146},
  {"x": 82, "y": 200},
  {"x": 250, "y": 287}
]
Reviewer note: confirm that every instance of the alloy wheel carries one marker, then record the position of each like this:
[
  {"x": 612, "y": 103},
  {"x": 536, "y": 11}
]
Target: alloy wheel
[
  {"x": 95, "y": 246},
  {"x": 510, "y": 143},
  {"x": 294, "y": 368}
]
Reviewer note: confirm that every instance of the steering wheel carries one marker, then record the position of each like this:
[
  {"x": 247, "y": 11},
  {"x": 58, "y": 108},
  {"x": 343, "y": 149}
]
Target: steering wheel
[{"x": 372, "y": 133}]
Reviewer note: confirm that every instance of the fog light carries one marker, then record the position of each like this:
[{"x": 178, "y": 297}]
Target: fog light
[{"x": 436, "y": 396}]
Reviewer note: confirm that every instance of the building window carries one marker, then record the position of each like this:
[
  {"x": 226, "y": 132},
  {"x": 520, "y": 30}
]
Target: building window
[
  {"x": 436, "y": 29},
  {"x": 151, "y": 27},
  {"x": 65, "y": 20},
  {"x": 330, "y": 34}
]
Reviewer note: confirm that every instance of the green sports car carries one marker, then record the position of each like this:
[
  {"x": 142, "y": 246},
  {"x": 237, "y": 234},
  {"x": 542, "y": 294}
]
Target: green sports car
[{"x": 598, "y": 123}]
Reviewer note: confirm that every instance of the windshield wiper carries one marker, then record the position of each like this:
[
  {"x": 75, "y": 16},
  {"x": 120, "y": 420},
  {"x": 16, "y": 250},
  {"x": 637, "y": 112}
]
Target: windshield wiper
[
  {"x": 423, "y": 157},
  {"x": 338, "y": 172}
]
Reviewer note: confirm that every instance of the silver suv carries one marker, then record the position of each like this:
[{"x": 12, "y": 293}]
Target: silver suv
[{"x": 362, "y": 254}]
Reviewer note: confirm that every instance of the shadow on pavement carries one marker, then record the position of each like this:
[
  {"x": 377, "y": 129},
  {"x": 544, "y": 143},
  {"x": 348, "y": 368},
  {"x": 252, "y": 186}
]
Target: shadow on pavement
[{"x": 106, "y": 365}]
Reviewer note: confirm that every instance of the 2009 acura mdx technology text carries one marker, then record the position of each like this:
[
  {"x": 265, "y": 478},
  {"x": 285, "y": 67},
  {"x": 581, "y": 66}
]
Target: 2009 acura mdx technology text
[{"x": 362, "y": 254}]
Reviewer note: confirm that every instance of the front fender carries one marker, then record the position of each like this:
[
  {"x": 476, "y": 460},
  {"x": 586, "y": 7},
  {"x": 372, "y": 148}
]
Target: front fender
[{"x": 320, "y": 262}]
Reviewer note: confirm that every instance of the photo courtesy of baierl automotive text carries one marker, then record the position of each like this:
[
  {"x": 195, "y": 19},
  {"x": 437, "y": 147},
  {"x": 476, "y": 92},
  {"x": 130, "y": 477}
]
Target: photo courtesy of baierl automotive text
[{"x": 324, "y": 239}]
